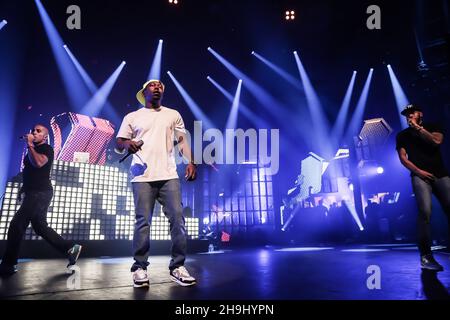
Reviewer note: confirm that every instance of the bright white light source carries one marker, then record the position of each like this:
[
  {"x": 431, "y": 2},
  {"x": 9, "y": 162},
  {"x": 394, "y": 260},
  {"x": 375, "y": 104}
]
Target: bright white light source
[{"x": 290, "y": 15}]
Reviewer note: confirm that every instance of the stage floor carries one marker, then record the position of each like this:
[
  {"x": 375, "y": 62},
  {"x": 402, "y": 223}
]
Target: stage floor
[{"x": 268, "y": 273}]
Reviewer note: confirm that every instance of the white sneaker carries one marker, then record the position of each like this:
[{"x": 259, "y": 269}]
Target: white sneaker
[
  {"x": 181, "y": 276},
  {"x": 140, "y": 278}
]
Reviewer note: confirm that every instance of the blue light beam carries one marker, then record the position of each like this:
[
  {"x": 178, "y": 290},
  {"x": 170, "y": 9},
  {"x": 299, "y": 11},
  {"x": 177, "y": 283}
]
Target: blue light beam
[
  {"x": 250, "y": 115},
  {"x": 155, "y": 70},
  {"x": 338, "y": 128},
  {"x": 266, "y": 100},
  {"x": 86, "y": 78},
  {"x": 318, "y": 117},
  {"x": 232, "y": 118},
  {"x": 196, "y": 110},
  {"x": 358, "y": 114},
  {"x": 108, "y": 109},
  {"x": 3, "y": 23},
  {"x": 286, "y": 76},
  {"x": 95, "y": 104},
  {"x": 74, "y": 86},
  {"x": 400, "y": 97},
  {"x": 351, "y": 208},
  {"x": 419, "y": 49},
  {"x": 10, "y": 70}
]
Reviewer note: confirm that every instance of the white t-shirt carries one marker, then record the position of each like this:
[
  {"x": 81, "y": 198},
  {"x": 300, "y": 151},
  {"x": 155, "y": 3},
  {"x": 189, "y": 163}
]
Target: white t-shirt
[{"x": 157, "y": 128}]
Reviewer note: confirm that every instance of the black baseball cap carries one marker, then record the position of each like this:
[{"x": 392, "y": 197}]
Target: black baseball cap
[{"x": 410, "y": 108}]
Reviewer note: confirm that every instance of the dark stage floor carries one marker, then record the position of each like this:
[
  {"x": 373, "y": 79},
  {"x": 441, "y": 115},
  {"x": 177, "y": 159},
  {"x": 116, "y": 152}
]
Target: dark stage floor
[{"x": 252, "y": 274}]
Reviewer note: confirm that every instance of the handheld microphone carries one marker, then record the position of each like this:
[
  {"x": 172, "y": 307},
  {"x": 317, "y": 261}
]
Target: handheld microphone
[{"x": 140, "y": 143}]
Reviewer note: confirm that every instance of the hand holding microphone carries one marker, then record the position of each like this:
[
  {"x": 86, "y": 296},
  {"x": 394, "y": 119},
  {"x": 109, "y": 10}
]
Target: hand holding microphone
[
  {"x": 27, "y": 138},
  {"x": 413, "y": 124},
  {"x": 191, "y": 172},
  {"x": 133, "y": 147}
]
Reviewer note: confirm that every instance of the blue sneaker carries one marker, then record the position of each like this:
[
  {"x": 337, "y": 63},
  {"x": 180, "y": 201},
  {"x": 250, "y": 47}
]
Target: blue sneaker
[{"x": 73, "y": 254}]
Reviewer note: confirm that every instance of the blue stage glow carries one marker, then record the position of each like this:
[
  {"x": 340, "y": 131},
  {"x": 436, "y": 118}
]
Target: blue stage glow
[
  {"x": 364, "y": 250},
  {"x": 75, "y": 88},
  {"x": 276, "y": 110},
  {"x": 352, "y": 209},
  {"x": 266, "y": 100},
  {"x": 232, "y": 118},
  {"x": 338, "y": 128},
  {"x": 319, "y": 119},
  {"x": 87, "y": 80},
  {"x": 400, "y": 97},
  {"x": 391, "y": 245},
  {"x": 195, "y": 108},
  {"x": 10, "y": 70},
  {"x": 419, "y": 49},
  {"x": 3, "y": 23},
  {"x": 286, "y": 76},
  {"x": 107, "y": 260},
  {"x": 155, "y": 70},
  {"x": 213, "y": 252},
  {"x": 358, "y": 114},
  {"x": 406, "y": 248},
  {"x": 93, "y": 107},
  {"x": 108, "y": 109},
  {"x": 250, "y": 115},
  {"x": 304, "y": 249}
]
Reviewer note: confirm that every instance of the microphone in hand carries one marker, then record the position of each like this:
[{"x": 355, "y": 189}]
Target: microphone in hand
[
  {"x": 137, "y": 146},
  {"x": 411, "y": 124}
]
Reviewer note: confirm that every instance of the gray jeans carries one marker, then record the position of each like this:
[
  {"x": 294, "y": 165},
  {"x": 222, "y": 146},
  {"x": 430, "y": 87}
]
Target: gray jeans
[
  {"x": 168, "y": 194},
  {"x": 423, "y": 191}
]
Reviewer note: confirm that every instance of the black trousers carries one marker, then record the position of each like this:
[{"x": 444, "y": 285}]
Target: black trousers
[{"x": 33, "y": 209}]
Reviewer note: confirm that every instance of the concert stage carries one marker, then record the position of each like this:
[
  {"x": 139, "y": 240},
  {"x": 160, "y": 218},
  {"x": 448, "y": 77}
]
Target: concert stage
[
  {"x": 266, "y": 273},
  {"x": 306, "y": 136}
]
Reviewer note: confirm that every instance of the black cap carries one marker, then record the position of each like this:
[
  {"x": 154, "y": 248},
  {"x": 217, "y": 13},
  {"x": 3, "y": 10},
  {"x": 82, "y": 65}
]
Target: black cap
[{"x": 410, "y": 108}]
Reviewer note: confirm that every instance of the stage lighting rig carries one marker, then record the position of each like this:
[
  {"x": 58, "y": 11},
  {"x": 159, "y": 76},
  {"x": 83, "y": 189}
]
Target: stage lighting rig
[{"x": 290, "y": 15}]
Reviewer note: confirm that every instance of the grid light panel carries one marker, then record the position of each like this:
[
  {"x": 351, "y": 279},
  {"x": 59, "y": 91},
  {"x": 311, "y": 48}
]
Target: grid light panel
[
  {"x": 90, "y": 202},
  {"x": 84, "y": 134},
  {"x": 242, "y": 204}
]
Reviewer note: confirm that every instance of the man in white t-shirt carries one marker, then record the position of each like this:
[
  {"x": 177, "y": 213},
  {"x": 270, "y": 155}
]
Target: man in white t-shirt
[{"x": 154, "y": 177}]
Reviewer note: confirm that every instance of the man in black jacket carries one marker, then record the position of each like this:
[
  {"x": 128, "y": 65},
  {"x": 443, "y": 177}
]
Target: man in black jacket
[{"x": 37, "y": 193}]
